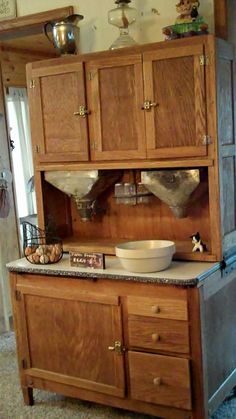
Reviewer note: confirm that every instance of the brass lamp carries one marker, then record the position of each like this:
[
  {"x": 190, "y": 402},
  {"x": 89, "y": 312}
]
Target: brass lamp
[{"x": 122, "y": 17}]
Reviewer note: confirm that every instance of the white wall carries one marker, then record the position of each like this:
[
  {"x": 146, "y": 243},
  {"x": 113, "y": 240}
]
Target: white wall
[
  {"x": 97, "y": 34},
  {"x": 8, "y": 236}
]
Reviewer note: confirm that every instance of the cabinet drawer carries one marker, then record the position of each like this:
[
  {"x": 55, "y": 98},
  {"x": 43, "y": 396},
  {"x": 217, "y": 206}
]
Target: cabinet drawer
[
  {"x": 158, "y": 334},
  {"x": 165, "y": 308},
  {"x": 159, "y": 379}
]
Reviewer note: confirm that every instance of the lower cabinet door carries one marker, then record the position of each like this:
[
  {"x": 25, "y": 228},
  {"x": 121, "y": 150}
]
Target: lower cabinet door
[
  {"x": 71, "y": 341},
  {"x": 159, "y": 379}
]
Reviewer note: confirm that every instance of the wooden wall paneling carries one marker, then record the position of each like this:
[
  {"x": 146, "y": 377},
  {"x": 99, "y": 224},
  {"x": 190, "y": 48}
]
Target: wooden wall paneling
[
  {"x": 221, "y": 18},
  {"x": 31, "y": 24},
  {"x": 14, "y": 66}
]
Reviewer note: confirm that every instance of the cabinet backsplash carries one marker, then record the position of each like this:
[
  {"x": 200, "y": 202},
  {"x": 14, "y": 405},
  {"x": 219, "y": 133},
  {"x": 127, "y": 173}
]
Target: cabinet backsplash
[{"x": 153, "y": 220}]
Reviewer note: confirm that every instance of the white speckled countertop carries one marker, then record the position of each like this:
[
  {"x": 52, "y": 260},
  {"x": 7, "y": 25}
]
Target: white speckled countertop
[{"x": 179, "y": 273}]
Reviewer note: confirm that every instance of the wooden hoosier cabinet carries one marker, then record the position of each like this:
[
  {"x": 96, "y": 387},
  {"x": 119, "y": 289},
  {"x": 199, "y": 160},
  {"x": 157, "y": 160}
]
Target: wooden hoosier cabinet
[{"x": 149, "y": 343}]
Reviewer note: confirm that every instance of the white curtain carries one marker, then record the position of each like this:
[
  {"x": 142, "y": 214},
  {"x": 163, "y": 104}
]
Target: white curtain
[{"x": 18, "y": 120}]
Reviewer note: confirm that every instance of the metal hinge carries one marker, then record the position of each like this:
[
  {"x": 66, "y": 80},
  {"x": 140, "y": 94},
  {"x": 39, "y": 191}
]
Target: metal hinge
[
  {"x": 90, "y": 75},
  {"x": 32, "y": 84},
  {"x": 93, "y": 145},
  {"x": 18, "y": 295},
  {"x": 37, "y": 148},
  {"x": 24, "y": 364},
  {"x": 204, "y": 60},
  {"x": 206, "y": 140}
]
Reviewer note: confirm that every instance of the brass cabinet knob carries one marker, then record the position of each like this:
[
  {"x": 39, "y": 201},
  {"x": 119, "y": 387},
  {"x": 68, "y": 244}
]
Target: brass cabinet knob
[
  {"x": 156, "y": 309},
  {"x": 156, "y": 337},
  {"x": 83, "y": 112},
  {"x": 148, "y": 105},
  {"x": 157, "y": 381}
]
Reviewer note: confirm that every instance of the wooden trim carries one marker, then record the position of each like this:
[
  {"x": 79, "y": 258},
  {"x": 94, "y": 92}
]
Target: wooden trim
[
  {"x": 20, "y": 328},
  {"x": 31, "y": 24},
  {"x": 68, "y": 295},
  {"x": 123, "y": 52},
  {"x": 182, "y": 51},
  {"x": 110, "y": 62},
  {"x": 39, "y": 198},
  {"x": 190, "y": 151},
  {"x": 110, "y": 400},
  {"x": 144, "y": 164},
  {"x": 61, "y": 68},
  {"x": 221, "y": 18},
  {"x": 76, "y": 382},
  {"x": 197, "y": 368}
]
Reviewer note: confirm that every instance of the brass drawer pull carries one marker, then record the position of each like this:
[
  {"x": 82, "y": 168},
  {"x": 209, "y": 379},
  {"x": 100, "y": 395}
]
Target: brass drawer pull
[
  {"x": 83, "y": 112},
  {"x": 156, "y": 337},
  {"x": 157, "y": 381},
  {"x": 156, "y": 309},
  {"x": 148, "y": 105}
]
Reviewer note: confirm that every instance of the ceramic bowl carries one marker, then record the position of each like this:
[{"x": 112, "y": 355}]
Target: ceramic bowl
[{"x": 145, "y": 255}]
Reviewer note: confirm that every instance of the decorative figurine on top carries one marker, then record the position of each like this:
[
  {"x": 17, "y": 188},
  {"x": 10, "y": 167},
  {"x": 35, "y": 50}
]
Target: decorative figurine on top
[
  {"x": 188, "y": 23},
  {"x": 198, "y": 245}
]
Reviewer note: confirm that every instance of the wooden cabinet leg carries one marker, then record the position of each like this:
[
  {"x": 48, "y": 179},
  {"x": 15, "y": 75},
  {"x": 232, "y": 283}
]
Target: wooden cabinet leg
[{"x": 28, "y": 396}]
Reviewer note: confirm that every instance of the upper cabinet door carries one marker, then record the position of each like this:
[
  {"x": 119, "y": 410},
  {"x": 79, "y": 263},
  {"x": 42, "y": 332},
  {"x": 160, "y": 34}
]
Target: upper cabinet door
[
  {"x": 174, "y": 84},
  {"x": 115, "y": 98},
  {"x": 56, "y": 96}
]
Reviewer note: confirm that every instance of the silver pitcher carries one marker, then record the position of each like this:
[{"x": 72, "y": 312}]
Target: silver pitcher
[{"x": 65, "y": 34}]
